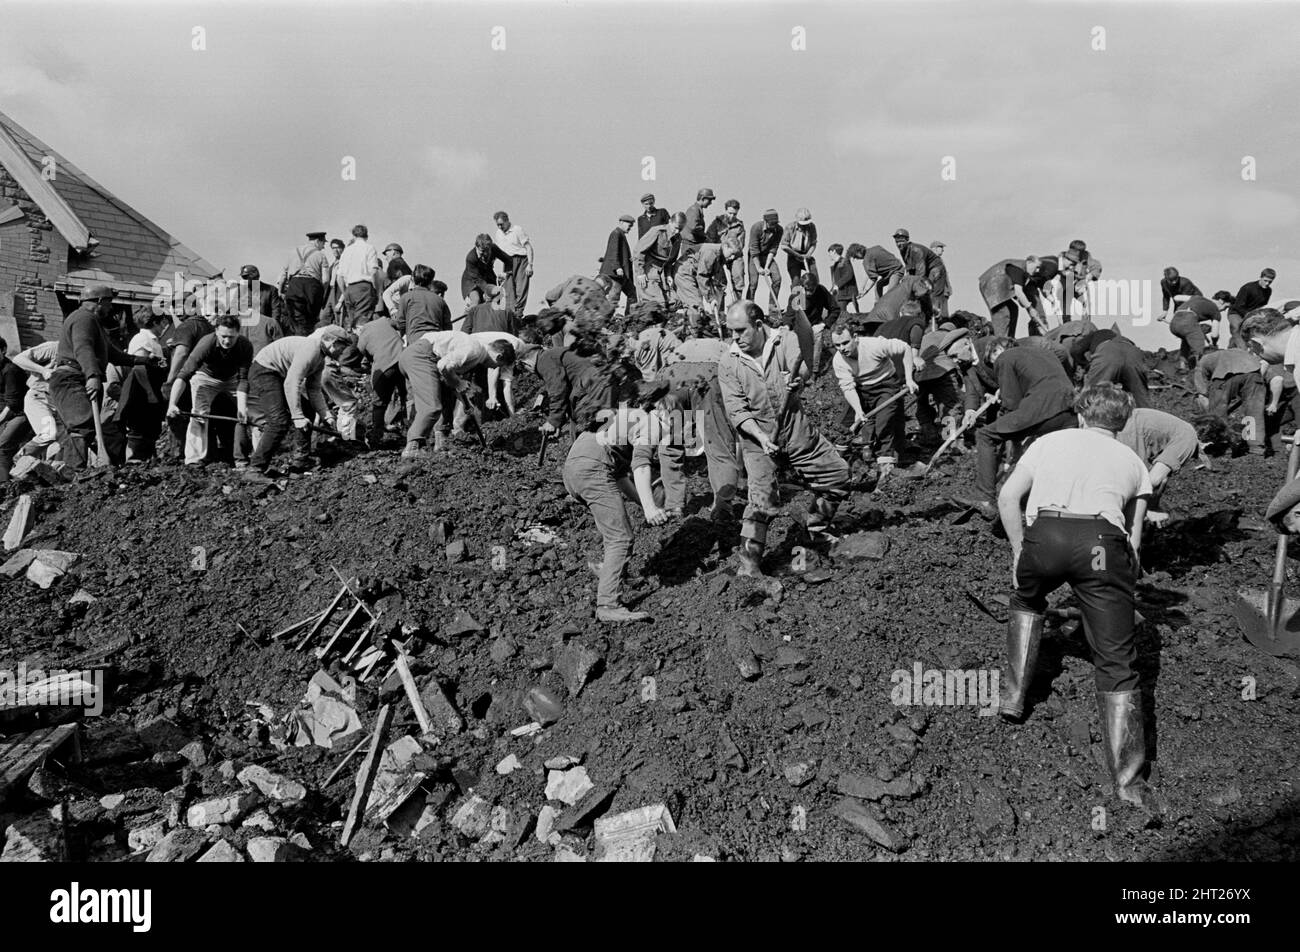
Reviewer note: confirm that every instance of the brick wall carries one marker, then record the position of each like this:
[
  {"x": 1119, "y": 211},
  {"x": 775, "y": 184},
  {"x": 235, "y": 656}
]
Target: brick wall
[{"x": 32, "y": 256}]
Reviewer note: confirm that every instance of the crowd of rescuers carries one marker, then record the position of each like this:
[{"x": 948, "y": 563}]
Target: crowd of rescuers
[{"x": 676, "y": 347}]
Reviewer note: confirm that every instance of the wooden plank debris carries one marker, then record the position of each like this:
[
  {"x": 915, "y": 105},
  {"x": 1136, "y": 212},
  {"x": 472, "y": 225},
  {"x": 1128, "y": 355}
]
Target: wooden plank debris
[
  {"x": 21, "y": 754},
  {"x": 366, "y": 777}
]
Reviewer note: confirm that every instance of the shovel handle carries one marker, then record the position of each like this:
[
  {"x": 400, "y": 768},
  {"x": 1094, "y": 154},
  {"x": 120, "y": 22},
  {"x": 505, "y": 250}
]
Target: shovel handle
[
  {"x": 880, "y": 406},
  {"x": 1276, "y": 596},
  {"x": 541, "y": 453}
]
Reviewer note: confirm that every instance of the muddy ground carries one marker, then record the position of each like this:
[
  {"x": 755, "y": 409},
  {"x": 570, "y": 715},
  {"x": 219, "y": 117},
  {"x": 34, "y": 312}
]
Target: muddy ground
[{"x": 751, "y": 769}]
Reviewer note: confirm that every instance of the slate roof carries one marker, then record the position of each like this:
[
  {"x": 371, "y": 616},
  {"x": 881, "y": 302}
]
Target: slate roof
[{"x": 132, "y": 249}]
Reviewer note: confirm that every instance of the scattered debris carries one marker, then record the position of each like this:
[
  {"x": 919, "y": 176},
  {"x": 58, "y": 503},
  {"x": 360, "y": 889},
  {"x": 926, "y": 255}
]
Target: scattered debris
[
  {"x": 630, "y": 837},
  {"x": 20, "y": 523},
  {"x": 366, "y": 776},
  {"x": 568, "y": 786}
]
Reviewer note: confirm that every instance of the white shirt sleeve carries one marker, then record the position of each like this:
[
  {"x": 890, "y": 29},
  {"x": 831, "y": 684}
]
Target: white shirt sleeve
[{"x": 1292, "y": 356}]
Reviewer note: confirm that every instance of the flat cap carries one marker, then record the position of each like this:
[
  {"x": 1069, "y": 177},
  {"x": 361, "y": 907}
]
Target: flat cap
[
  {"x": 771, "y": 215},
  {"x": 97, "y": 292},
  {"x": 1286, "y": 498},
  {"x": 704, "y": 193},
  {"x": 316, "y": 235},
  {"x": 647, "y": 197},
  {"x": 394, "y": 246},
  {"x": 627, "y": 218},
  {"x": 249, "y": 272},
  {"x": 802, "y": 215},
  {"x": 937, "y": 244},
  {"x": 903, "y": 233}
]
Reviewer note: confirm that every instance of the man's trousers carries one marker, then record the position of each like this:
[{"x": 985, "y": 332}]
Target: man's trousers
[
  {"x": 516, "y": 285},
  {"x": 303, "y": 299},
  {"x": 813, "y": 458},
  {"x": 434, "y": 400},
  {"x": 203, "y": 390},
  {"x": 1244, "y": 394},
  {"x": 359, "y": 300},
  {"x": 774, "y": 276},
  {"x": 1092, "y": 556}
]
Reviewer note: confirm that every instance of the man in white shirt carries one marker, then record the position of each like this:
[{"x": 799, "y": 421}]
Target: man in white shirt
[
  {"x": 277, "y": 377},
  {"x": 356, "y": 276},
  {"x": 1087, "y": 500},
  {"x": 514, "y": 241},
  {"x": 866, "y": 369},
  {"x": 437, "y": 366}
]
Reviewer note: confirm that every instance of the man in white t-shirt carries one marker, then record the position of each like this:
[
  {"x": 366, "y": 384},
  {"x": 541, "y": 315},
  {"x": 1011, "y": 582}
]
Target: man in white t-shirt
[{"x": 1087, "y": 500}]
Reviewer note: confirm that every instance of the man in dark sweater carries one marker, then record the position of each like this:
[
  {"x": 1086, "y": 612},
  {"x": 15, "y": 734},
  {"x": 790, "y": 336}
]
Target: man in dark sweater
[
  {"x": 1253, "y": 294},
  {"x": 1036, "y": 397},
  {"x": 764, "y": 242},
  {"x": 1174, "y": 290},
  {"x": 423, "y": 308},
  {"x": 77, "y": 384}
]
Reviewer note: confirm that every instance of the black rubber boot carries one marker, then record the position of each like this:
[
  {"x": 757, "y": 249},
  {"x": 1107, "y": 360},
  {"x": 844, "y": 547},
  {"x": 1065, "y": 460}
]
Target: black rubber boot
[
  {"x": 1123, "y": 737},
  {"x": 1024, "y": 633}
]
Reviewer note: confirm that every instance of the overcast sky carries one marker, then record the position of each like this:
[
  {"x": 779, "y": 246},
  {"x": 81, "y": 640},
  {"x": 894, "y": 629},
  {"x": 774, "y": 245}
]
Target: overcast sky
[{"x": 238, "y": 149}]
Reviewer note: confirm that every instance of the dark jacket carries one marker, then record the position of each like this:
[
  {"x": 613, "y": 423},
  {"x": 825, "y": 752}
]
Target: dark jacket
[
  {"x": 83, "y": 341},
  {"x": 564, "y": 374},
  {"x": 481, "y": 272},
  {"x": 1030, "y": 379},
  {"x": 618, "y": 254}
]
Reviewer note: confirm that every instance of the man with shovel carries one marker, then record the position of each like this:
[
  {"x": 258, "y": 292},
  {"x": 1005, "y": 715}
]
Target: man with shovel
[
  {"x": 277, "y": 379},
  {"x": 758, "y": 378},
  {"x": 1036, "y": 398},
  {"x": 77, "y": 383},
  {"x": 218, "y": 363},
  {"x": 866, "y": 369},
  {"x": 1087, "y": 497}
]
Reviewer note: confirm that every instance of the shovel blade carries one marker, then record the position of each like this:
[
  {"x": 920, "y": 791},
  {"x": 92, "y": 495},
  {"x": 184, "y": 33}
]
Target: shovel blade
[{"x": 1252, "y": 611}]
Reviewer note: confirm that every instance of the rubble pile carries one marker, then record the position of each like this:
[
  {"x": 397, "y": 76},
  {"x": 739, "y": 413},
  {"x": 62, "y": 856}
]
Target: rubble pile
[{"x": 387, "y": 660}]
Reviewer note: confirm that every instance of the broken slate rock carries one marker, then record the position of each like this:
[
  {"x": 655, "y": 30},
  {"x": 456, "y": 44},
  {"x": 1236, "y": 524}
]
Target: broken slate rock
[
  {"x": 223, "y": 852},
  {"x": 509, "y": 765},
  {"x": 473, "y": 818},
  {"x": 463, "y": 624},
  {"x": 273, "y": 785},
  {"x": 862, "y": 819},
  {"x": 442, "y": 712},
  {"x": 584, "y": 812},
  {"x": 542, "y": 705},
  {"x": 229, "y": 809},
  {"x": 861, "y": 545},
  {"x": 568, "y": 786},
  {"x": 873, "y": 788},
  {"x": 577, "y": 664},
  {"x": 179, "y": 846},
  {"x": 800, "y": 773},
  {"x": 273, "y": 849}
]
